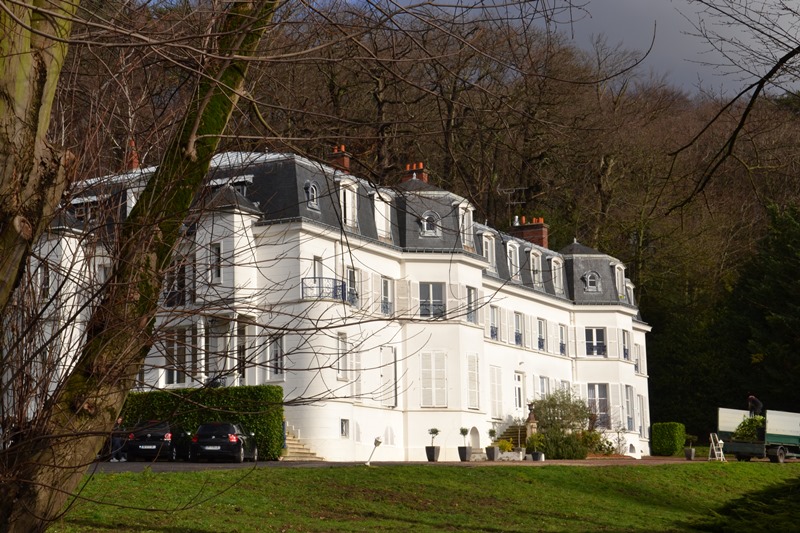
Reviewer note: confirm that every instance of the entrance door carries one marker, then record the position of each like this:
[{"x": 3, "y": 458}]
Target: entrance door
[{"x": 519, "y": 392}]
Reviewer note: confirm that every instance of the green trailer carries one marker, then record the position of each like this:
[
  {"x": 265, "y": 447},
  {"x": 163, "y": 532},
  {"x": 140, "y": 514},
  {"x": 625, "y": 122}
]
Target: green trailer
[{"x": 780, "y": 438}]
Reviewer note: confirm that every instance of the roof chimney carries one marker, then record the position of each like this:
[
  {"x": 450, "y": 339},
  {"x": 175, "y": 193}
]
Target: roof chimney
[
  {"x": 415, "y": 171},
  {"x": 340, "y": 159},
  {"x": 132, "y": 157},
  {"x": 535, "y": 232}
]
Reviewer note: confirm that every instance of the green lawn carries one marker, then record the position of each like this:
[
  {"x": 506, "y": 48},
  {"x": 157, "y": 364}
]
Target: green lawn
[{"x": 675, "y": 497}]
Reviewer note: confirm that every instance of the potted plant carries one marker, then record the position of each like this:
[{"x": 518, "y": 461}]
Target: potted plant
[
  {"x": 532, "y": 445},
  {"x": 492, "y": 451},
  {"x": 464, "y": 451},
  {"x": 689, "y": 450},
  {"x": 432, "y": 451}
]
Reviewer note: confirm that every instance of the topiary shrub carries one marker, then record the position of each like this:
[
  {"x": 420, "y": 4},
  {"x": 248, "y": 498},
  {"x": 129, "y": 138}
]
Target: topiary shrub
[{"x": 667, "y": 438}]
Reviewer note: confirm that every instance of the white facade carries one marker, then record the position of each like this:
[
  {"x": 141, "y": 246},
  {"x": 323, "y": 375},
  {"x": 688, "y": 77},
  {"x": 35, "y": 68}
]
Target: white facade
[{"x": 386, "y": 312}]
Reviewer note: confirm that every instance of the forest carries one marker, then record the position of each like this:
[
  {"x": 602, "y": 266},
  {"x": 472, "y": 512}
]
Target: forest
[
  {"x": 521, "y": 122},
  {"x": 696, "y": 192}
]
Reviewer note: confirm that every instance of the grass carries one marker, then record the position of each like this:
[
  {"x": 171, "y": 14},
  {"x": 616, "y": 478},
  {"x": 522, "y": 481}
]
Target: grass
[{"x": 675, "y": 497}]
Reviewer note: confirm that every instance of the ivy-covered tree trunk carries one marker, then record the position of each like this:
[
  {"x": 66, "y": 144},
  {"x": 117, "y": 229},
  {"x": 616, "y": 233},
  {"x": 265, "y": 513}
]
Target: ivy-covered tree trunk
[
  {"x": 49, "y": 466},
  {"x": 32, "y": 171}
]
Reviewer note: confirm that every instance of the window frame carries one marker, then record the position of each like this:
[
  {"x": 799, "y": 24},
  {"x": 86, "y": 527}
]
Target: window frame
[
  {"x": 599, "y": 346},
  {"x": 428, "y": 307},
  {"x": 599, "y": 403}
]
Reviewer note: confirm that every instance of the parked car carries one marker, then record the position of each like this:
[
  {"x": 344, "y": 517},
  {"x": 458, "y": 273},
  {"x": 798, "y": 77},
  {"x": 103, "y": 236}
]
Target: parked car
[
  {"x": 157, "y": 439},
  {"x": 223, "y": 440}
]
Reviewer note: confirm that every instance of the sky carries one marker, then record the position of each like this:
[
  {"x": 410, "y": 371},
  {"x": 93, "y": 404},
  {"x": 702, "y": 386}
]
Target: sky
[{"x": 675, "y": 54}]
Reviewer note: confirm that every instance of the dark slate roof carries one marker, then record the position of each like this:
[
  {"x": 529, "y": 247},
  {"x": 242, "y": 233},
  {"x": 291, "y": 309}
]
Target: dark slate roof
[
  {"x": 576, "y": 248},
  {"x": 229, "y": 198}
]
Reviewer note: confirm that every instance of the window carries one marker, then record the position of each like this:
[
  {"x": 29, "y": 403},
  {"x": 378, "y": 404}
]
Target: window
[
  {"x": 519, "y": 390},
  {"x": 387, "y": 296},
  {"x": 495, "y": 382},
  {"x": 472, "y": 314},
  {"x": 175, "y": 355},
  {"x": 565, "y": 385},
  {"x": 344, "y": 427},
  {"x": 626, "y": 342},
  {"x": 277, "y": 357},
  {"x": 175, "y": 284},
  {"x": 431, "y": 224},
  {"x": 512, "y": 250},
  {"x": 494, "y": 322},
  {"x": 312, "y": 195},
  {"x": 342, "y": 353},
  {"x": 215, "y": 262},
  {"x": 598, "y": 404},
  {"x": 544, "y": 386},
  {"x": 352, "y": 286},
  {"x": 562, "y": 339},
  {"x": 433, "y": 379},
  {"x": 388, "y": 376},
  {"x": 536, "y": 269},
  {"x": 383, "y": 218},
  {"x": 44, "y": 279},
  {"x": 518, "y": 328},
  {"x": 591, "y": 282},
  {"x": 431, "y": 300},
  {"x": 637, "y": 359},
  {"x": 466, "y": 227},
  {"x": 619, "y": 278},
  {"x": 241, "y": 352},
  {"x": 556, "y": 268},
  {"x": 595, "y": 341},
  {"x": 541, "y": 326},
  {"x": 348, "y": 203},
  {"x": 488, "y": 252},
  {"x": 629, "y": 407},
  {"x": 642, "y": 419},
  {"x": 473, "y": 385}
]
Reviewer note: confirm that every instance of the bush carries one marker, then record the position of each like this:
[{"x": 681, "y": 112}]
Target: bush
[
  {"x": 534, "y": 443},
  {"x": 559, "y": 445},
  {"x": 258, "y": 408},
  {"x": 667, "y": 438},
  {"x": 505, "y": 445},
  {"x": 748, "y": 429},
  {"x": 595, "y": 442}
]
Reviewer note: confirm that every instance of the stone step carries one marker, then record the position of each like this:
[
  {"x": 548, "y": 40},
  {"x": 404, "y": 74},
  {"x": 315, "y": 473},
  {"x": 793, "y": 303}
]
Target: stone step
[{"x": 297, "y": 451}]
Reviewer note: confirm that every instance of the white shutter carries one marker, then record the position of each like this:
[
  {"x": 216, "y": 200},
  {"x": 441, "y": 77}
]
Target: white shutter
[
  {"x": 481, "y": 309},
  {"x": 616, "y": 413},
  {"x": 552, "y": 337},
  {"x": 612, "y": 337},
  {"x": 377, "y": 287},
  {"x": 439, "y": 379},
  {"x": 364, "y": 292},
  {"x": 528, "y": 330},
  {"x": 426, "y": 379},
  {"x": 502, "y": 323},
  {"x": 473, "y": 398},
  {"x": 401, "y": 287},
  {"x": 495, "y": 384},
  {"x": 388, "y": 377},
  {"x": 454, "y": 307},
  {"x": 356, "y": 376},
  {"x": 413, "y": 298}
]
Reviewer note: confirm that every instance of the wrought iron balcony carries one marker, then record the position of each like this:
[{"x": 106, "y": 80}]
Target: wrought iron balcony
[
  {"x": 626, "y": 354},
  {"x": 562, "y": 348},
  {"x": 541, "y": 343},
  {"x": 387, "y": 307},
  {"x": 595, "y": 349},
  {"x": 493, "y": 332},
  {"x": 325, "y": 289},
  {"x": 432, "y": 309},
  {"x": 518, "y": 338}
]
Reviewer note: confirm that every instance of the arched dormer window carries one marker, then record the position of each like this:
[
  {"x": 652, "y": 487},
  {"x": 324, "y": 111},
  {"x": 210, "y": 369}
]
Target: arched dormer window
[
  {"x": 512, "y": 250},
  {"x": 591, "y": 282},
  {"x": 431, "y": 224},
  {"x": 348, "y": 202},
  {"x": 536, "y": 268},
  {"x": 619, "y": 278},
  {"x": 488, "y": 252},
  {"x": 557, "y": 272},
  {"x": 312, "y": 195}
]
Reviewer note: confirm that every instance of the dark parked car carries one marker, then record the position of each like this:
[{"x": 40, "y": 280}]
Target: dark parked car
[
  {"x": 223, "y": 440},
  {"x": 157, "y": 439}
]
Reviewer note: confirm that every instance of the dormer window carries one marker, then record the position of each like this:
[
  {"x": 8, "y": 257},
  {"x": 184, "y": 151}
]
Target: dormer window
[
  {"x": 312, "y": 195},
  {"x": 619, "y": 278},
  {"x": 488, "y": 252},
  {"x": 512, "y": 250},
  {"x": 536, "y": 268},
  {"x": 431, "y": 224},
  {"x": 591, "y": 282},
  {"x": 383, "y": 219},
  {"x": 557, "y": 271},
  {"x": 348, "y": 202},
  {"x": 465, "y": 224}
]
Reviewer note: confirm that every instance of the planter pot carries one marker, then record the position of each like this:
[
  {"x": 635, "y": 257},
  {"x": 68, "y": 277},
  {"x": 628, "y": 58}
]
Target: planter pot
[
  {"x": 492, "y": 453},
  {"x": 432, "y": 452},
  {"x": 689, "y": 453},
  {"x": 464, "y": 452},
  {"x": 537, "y": 456}
]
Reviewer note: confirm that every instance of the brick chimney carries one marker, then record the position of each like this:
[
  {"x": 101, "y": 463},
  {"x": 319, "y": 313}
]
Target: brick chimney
[
  {"x": 415, "y": 171},
  {"x": 132, "y": 157},
  {"x": 340, "y": 158},
  {"x": 535, "y": 232}
]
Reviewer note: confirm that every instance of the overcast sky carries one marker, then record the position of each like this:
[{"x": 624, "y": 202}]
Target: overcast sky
[{"x": 675, "y": 54}]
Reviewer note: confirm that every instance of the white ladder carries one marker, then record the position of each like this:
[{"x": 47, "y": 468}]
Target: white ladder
[{"x": 715, "y": 449}]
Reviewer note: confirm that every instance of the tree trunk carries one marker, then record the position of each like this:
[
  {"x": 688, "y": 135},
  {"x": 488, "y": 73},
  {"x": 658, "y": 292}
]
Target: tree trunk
[
  {"x": 47, "y": 467},
  {"x": 32, "y": 176}
]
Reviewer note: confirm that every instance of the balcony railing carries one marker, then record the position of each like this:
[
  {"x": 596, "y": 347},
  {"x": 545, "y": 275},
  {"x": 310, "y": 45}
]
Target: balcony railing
[
  {"x": 387, "y": 307},
  {"x": 432, "y": 309},
  {"x": 541, "y": 343},
  {"x": 518, "y": 338},
  {"x": 626, "y": 354},
  {"x": 595, "y": 349},
  {"x": 493, "y": 332},
  {"x": 562, "y": 348},
  {"x": 325, "y": 288}
]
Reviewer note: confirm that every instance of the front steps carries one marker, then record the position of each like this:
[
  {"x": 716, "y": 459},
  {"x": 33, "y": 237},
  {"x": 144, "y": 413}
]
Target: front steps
[{"x": 297, "y": 451}]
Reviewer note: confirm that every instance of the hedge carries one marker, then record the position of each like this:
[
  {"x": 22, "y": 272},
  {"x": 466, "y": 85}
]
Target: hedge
[
  {"x": 667, "y": 438},
  {"x": 258, "y": 408}
]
